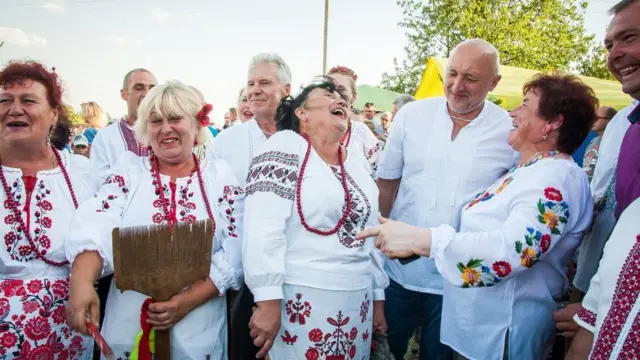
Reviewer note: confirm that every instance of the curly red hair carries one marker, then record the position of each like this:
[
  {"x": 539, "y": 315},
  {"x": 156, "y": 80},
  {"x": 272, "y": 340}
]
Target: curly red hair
[
  {"x": 344, "y": 71},
  {"x": 19, "y": 71}
]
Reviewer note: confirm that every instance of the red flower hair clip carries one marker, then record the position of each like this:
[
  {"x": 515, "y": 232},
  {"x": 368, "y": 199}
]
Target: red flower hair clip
[
  {"x": 344, "y": 71},
  {"x": 203, "y": 115}
]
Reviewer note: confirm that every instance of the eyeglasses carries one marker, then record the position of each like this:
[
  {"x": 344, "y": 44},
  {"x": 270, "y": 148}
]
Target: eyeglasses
[{"x": 603, "y": 118}]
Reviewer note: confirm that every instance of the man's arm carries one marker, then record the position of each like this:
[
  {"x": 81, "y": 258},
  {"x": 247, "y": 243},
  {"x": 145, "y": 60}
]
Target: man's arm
[{"x": 388, "y": 190}]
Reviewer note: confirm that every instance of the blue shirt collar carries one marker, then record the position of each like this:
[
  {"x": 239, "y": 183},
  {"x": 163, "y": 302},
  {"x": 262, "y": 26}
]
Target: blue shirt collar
[{"x": 634, "y": 116}]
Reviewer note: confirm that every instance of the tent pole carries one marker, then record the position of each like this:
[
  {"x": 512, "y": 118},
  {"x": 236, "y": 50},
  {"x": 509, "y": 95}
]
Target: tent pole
[{"x": 326, "y": 31}]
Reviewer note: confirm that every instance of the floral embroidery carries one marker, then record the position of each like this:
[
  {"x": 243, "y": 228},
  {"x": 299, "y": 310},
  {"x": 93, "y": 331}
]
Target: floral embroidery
[
  {"x": 364, "y": 308},
  {"x": 15, "y": 242},
  {"x": 334, "y": 345},
  {"x": 186, "y": 205},
  {"x": 119, "y": 181},
  {"x": 488, "y": 195},
  {"x": 37, "y": 328},
  {"x": 298, "y": 310},
  {"x": 288, "y": 339},
  {"x": 159, "y": 217},
  {"x": 475, "y": 274},
  {"x": 537, "y": 244},
  {"x": 359, "y": 215},
  {"x": 275, "y": 172},
  {"x": 625, "y": 296},
  {"x": 554, "y": 211},
  {"x": 231, "y": 193}
]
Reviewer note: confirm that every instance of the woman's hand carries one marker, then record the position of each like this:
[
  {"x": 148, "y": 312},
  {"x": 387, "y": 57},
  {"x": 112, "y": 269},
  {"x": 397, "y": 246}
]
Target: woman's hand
[
  {"x": 164, "y": 315},
  {"x": 83, "y": 303},
  {"x": 379, "y": 320},
  {"x": 265, "y": 325},
  {"x": 399, "y": 240}
]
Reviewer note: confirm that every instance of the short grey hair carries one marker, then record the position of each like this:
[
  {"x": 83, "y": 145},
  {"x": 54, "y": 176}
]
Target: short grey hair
[
  {"x": 172, "y": 98},
  {"x": 242, "y": 94},
  {"x": 483, "y": 46},
  {"x": 284, "y": 73},
  {"x": 403, "y": 100},
  {"x": 127, "y": 77}
]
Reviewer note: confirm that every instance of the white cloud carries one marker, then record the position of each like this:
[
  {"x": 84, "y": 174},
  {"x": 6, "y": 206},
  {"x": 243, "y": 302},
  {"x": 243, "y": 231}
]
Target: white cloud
[
  {"x": 121, "y": 40},
  {"x": 159, "y": 14},
  {"x": 53, "y": 7},
  {"x": 17, "y": 36}
]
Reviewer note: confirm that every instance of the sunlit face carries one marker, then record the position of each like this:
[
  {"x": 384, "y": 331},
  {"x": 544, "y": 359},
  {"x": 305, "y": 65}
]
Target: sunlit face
[
  {"x": 623, "y": 43},
  {"x": 469, "y": 78},
  {"x": 171, "y": 138},
  {"x": 265, "y": 90},
  {"x": 243, "y": 108},
  {"x": 369, "y": 112},
  {"x": 385, "y": 121},
  {"x": 26, "y": 117},
  {"x": 343, "y": 84},
  {"x": 528, "y": 126},
  {"x": 139, "y": 85},
  {"x": 602, "y": 119},
  {"x": 324, "y": 110},
  {"x": 81, "y": 150},
  {"x": 226, "y": 119}
]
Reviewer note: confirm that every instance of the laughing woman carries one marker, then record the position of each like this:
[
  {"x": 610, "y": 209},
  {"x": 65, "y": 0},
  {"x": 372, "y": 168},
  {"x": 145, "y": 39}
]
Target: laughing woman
[
  {"x": 506, "y": 268},
  {"x": 170, "y": 186},
  {"x": 319, "y": 291}
]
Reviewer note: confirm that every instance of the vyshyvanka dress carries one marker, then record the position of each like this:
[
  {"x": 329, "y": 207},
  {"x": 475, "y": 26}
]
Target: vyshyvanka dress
[
  {"x": 327, "y": 283},
  {"x": 128, "y": 198},
  {"x": 33, "y": 293}
]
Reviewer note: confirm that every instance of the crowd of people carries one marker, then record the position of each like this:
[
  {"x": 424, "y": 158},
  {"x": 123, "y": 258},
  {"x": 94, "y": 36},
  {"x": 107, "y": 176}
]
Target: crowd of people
[{"x": 333, "y": 226}]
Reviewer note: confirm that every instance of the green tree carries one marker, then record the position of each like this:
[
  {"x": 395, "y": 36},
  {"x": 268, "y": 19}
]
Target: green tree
[
  {"x": 75, "y": 118},
  {"x": 534, "y": 34},
  {"x": 594, "y": 63}
]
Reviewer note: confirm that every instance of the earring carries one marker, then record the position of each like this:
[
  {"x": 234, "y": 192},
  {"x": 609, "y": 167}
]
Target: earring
[{"x": 49, "y": 137}]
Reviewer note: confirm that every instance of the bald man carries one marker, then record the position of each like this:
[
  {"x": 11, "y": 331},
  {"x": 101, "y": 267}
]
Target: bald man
[{"x": 440, "y": 153}]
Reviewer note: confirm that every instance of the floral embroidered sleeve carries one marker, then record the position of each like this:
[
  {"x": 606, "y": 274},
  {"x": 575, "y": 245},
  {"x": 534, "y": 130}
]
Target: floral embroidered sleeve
[
  {"x": 226, "y": 262},
  {"x": 271, "y": 190},
  {"x": 538, "y": 215},
  {"x": 91, "y": 227}
]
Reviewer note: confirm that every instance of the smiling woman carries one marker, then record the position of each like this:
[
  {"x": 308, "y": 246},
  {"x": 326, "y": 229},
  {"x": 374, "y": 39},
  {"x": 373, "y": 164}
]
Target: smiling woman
[
  {"x": 41, "y": 187},
  {"x": 313, "y": 282}
]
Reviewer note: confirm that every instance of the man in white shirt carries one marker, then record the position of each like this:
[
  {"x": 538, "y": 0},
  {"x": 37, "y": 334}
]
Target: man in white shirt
[
  {"x": 113, "y": 141},
  {"x": 440, "y": 153},
  {"x": 269, "y": 81}
]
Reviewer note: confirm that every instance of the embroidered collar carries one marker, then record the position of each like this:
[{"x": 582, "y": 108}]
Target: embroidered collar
[{"x": 130, "y": 141}]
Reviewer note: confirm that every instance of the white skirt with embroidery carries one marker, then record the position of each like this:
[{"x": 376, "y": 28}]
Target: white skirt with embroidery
[{"x": 322, "y": 324}]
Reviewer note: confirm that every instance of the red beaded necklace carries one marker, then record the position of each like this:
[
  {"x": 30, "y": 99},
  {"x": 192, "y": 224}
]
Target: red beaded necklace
[
  {"x": 347, "y": 196},
  {"x": 347, "y": 135},
  {"x": 155, "y": 171},
  {"x": 17, "y": 213}
]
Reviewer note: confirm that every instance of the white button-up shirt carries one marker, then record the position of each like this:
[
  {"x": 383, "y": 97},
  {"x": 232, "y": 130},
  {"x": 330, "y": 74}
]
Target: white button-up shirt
[{"x": 440, "y": 175}]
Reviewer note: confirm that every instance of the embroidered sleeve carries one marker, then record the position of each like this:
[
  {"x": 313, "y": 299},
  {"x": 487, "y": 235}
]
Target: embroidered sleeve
[
  {"x": 537, "y": 221},
  {"x": 372, "y": 149},
  {"x": 274, "y": 172},
  {"x": 99, "y": 156},
  {"x": 95, "y": 219},
  {"x": 270, "y": 195},
  {"x": 226, "y": 262}
]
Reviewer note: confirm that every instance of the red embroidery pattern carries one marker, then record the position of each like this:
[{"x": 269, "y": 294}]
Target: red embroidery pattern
[
  {"x": 364, "y": 308},
  {"x": 38, "y": 329},
  {"x": 624, "y": 298},
  {"x": 231, "y": 193},
  {"x": 288, "y": 339},
  {"x": 275, "y": 172},
  {"x": 15, "y": 242},
  {"x": 587, "y": 316},
  {"x": 358, "y": 215},
  {"x": 113, "y": 179},
  {"x": 336, "y": 345},
  {"x": 298, "y": 310}
]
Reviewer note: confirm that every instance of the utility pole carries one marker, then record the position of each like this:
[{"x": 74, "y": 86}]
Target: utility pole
[{"x": 326, "y": 32}]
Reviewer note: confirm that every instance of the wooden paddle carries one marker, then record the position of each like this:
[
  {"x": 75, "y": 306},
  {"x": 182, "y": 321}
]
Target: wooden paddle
[{"x": 158, "y": 262}]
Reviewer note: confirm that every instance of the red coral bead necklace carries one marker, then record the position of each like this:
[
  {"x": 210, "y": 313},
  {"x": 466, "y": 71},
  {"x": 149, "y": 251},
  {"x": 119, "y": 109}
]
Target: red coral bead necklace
[{"x": 17, "y": 213}]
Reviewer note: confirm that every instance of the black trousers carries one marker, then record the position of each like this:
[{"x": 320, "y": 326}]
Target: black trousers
[{"x": 240, "y": 307}]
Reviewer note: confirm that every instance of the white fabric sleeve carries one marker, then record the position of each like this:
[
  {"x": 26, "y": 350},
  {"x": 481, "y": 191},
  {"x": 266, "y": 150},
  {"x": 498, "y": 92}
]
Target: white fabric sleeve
[
  {"x": 93, "y": 222},
  {"x": 536, "y": 222},
  {"x": 270, "y": 191},
  {"x": 379, "y": 276},
  {"x": 226, "y": 260},
  {"x": 587, "y": 315},
  {"x": 99, "y": 156},
  {"x": 372, "y": 148},
  {"x": 391, "y": 160}
]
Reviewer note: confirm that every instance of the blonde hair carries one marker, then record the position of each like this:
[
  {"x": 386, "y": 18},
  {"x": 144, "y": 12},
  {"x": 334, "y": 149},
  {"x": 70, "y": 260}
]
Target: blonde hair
[
  {"x": 92, "y": 114},
  {"x": 171, "y": 99}
]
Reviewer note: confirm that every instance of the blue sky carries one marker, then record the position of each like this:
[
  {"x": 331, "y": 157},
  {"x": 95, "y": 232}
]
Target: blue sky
[{"x": 205, "y": 43}]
